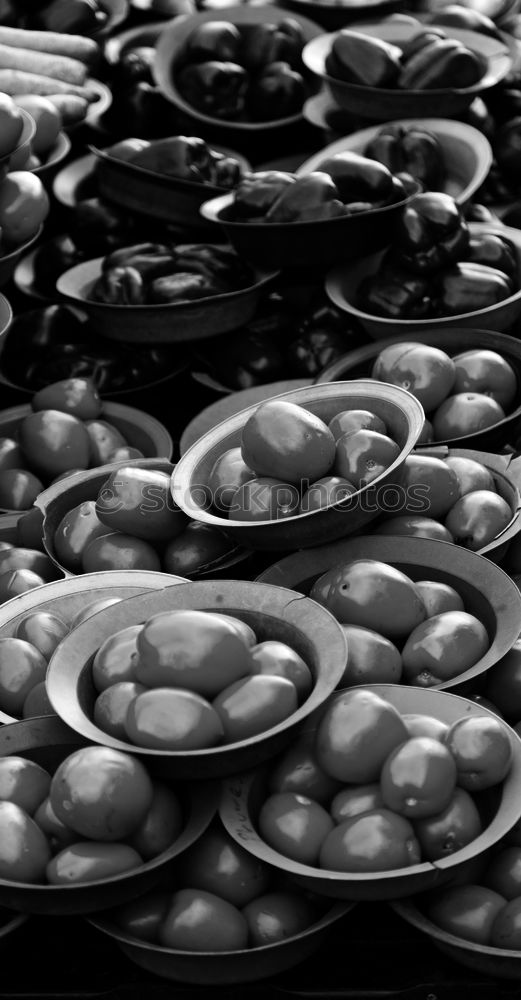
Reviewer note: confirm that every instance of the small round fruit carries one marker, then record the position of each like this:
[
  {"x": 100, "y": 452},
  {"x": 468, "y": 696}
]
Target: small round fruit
[
  {"x": 23, "y": 782},
  {"x": 18, "y": 489},
  {"x": 173, "y": 719},
  {"x": 326, "y": 491},
  {"x": 91, "y": 862},
  {"x": 298, "y": 771},
  {"x": 111, "y": 707},
  {"x": 264, "y": 499},
  {"x": 115, "y": 660},
  {"x": 362, "y": 456},
  {"x": 503, "y": 873},
  {"x": 118, "y": 551},
  {"x": 142, "y": 917},
  {"x": 200, "y": 921},
  {"x": 351, "y": 802},
  {"x": 54, "y": 442},
  {"x": 254, "y": 705},
  {"x": 418, "y": 779},
  {"x": 482, "y": 750},
  {"x": 286, "y": 441},
  {"x": 21, "y": 668},
  {"x": 195, "y": 549},
  {"x": 450, "y": 830},
  {"x": 11, "y": 124},
  {"x": 124, "y": 454},
  {"x": 371, "y": 594},
  {"x": 356, "y": 734},
  {"x": 443, "y": 647},
  {"x": 371, "y": 842},
  {"x": 439, "y": 597},
  {"x": 241, "y": 627},
  {"x": 431, "y": 486},
  {"x": 277, "y": 916},
  {"x": 425, "y": 725},
  {"x": 467, "y": 911},
  {"x": 413, "y": 526},
  {"x": 19, "y": 581},
  {"x": 43, "y": 630},
  {"x": 423, "y": 370},
  {"x": 295, "y": 826},
  {"x": 161, "y": 826},
  {"x": 78, "y": 396},
  {"x": 103, "y": 440},
  {"x": 24, "y": 205},
  {"x": 464, "y": 414},
  {"x": 486, "y": 372},
  {"x": 100, "y": 793},
  {"x": 47, "y": 118},
  {"x": 371, "y": 658},
  {"x": 280, "y": 660},
  {"x": 348, "y": 421},
  {"x": 77, "y": 528},
  {"x": 24, "y": 849},
  {"x": 217, "y": 864},
  {"x": 56, "y": 832},
  {"x": 477, "y": 518},
  {"x": 471, "y": 475},
  {"x": 10, "y": 455},
  {"x": 37, "y": 702},
  {"x": 228, "y": 473}
]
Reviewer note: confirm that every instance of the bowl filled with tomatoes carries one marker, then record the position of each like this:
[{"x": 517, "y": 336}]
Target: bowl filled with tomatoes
[
  {"x": 443, "y": 616},
  {"x": 400, "y": 790},
  {"x": 251, "y": 663},
  {"x": 88, "y": 827},
  {"x": 274, "y": 476}
]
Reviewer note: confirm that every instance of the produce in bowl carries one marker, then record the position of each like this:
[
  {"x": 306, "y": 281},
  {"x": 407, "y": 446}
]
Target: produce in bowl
[
  {"x": 26, "y": 565},
  {"x": 184, "y": 157}
]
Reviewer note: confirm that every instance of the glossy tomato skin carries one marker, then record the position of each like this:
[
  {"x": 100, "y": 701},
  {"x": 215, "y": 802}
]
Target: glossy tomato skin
[
  {"x": 418, "y": 778},
  {"x": 162, "y": 824},
  {"x": 477, "y": 518},
  {"x": 362, "y": 456},
  {"x": 119, "y": 551},
  {"x": 371, "y": 658},
  {"x": 503, "y": 683},
  {"x": 264, "y": 499},
  {"x": 295, "y": 826},
  {"x": 43, "y": 630},
  {"x": 355, "y": 800},
  {"x": 89, "y": 861},
  {"x": 54, "y": 442},
  {"x": 104, "y": 440},
  {"x": 78, "y": 396},
  {"x": 76, "y": 529},
  {"x": 200, "y": 921},
  {"x": 503, "y": 874},
  {"x": 111, "y": 707},
  {"x": 450, "y": 830},
  {"x": 421, "y": 369},
  {"x": 326, "y": 491},
  {"x": 137, "y": 501},
  {"x": 486, "y": 372},
  {"x": 288, "y": 442},
  {"x": 467, "y": 911},
  {"x": 506, "y": 929},
  {"x": 228, "y": 473},
  {"x": 439, "y": 597},
  {"x": 482, "y": 750},
  {"x": 464, "y": 414},
  {"x": 415, "y": 526},
  {"x": 24, "y": 850},
  {"x": 21, "y": 668},
  {"x": 114, "y": 660},
  {"x": 443, "y": 647},
  {"x": 24, "y": 204},
  {"x": 141, "y": 918},
  {"x": 298, "y": 771},
  {"x": 254, "y": 705},
  {"x": 19, "y": 489},
  {"x": 346, "y": 745},
  {"x": 372, "y": 842},
  {"x": 277, "y": 916},
  {"x": 430, "y": 484},
  {"x": 425, "y": 725},
  {"x": 194, "y": 548},
  {"x": 355, "y": 420},
  {"x": 10, "y": 454},
  {"x": 279, "y": 659},
  {"x": 56, "y": 832},
  {"x": 173, "y": 719},
  {"x": 23, "y": 782},
  {"x": 471, "y": 475},
  {"x": 18, "y": 581},
  {"x": 241, "y": 627},
  {"x": 218, "y": 865}
]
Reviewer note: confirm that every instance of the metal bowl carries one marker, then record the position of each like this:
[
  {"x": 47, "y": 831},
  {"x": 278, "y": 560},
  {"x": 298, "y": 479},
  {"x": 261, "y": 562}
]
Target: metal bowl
[
  {"x": 273, "y": 613},
  {"x": 243, "y": 797},
  {"x": 9, "y": 260}
]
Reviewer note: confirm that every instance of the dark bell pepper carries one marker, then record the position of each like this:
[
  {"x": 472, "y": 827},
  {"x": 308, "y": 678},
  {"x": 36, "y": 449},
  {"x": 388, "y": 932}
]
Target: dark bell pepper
[
  {"x": 314, "y": 196},
  {"x": 151, "y": 260},
  {"x": 97, "y": 227},
  {"x": 441, "y": 64},
  {"x": 395, "y": 294},
  {"x": 358, "y": 178},
  {"x": 410, "y": 149},
  {"x": 218, "y": 40},
  {"x": 135, "y": 66},
  {"x": 430, "y": 233},
  {"x": 420, "y": 41},
  {"x": 226, "y": 172},
  {"x": 263, "y": 44},
  {"x": 322, "y": 338},
  {"x": 216, "y": 88},
  {"x": 257, "y": 192},
  {"x": 467, "y": 286},
  {"x": 279, "y": 92},
  {"x": 182, "y": 287},
  {"x": 187, "y": 157},
  {"x": 121, "y": 286},
  {"x": 214, "y": 263},
  {"x": 494, "y": 251},
  {"x": 358, "y": 58}
]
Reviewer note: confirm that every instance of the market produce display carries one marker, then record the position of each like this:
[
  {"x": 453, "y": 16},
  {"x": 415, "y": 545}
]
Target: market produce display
[{"x": 186, "y": 157}]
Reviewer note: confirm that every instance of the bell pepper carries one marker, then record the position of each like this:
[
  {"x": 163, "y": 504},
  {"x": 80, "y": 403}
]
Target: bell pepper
[
  {"x": 467, "y": 286},
  {"x": 226, "y": 172},
  {"x": 134, "y": 66},
  {"x": 257, "y": 193},
  {"x": 322, "y": 338},
  {"x": 182, "y": 287},
  {"x": 178, "y": 156},
  {"x": 263, "y": 44},
  {"x": 430, "y": 233},
  {"x": 494, "y": 251},
  {"x": 421, "y": 41},
  {"x": 358, "y": 178},
  {"x": 312, "y": 197},
  {"x": 358, "y": 58},
  {"x": 280, "y": 91},
  {"x": 122, "y": 286},
  {"x": 395, "y": 294},
  {"x": 216, "y": 88},
  {"x": 218, "y": 40},
  {"x": 151, "y": 260},
  {"x": 213, "y": 263},
  {"x": 410, "y": 149},
  {"x": 441, "y": 64}
]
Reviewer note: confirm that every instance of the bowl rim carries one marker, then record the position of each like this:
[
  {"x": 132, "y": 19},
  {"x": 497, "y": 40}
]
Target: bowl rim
[
  {"x": 66, "y": 182},
  {"x": 333, "y": 284},
  {"x": 275, "y": 602},
  {"x": 26, "y": 136},
  {"x": 181, "y": 484},
  {"x": 57, "y": 153},
  {"x": 168, "y": 181},
  {"x": 411, "y": 913},
  {"x": 233, "y": 810}
]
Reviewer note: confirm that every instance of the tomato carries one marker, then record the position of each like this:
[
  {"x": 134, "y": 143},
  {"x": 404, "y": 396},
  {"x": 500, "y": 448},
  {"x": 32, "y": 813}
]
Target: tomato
[
  {"x": 264, "y": 500},
  {"x": 11, "y": 124},
  {"x": 227, "y": 474},
  {"x": 482, "y": 750},
  {"x": 21, "y": 668},
  {"x": 348, "y": 421},
  {"x": 503, "y": 874},
  {"x": 479, "y": 699},
  {"x": 254, "y": 705},
  {"x": 503, "y": 683},
  {"x": 450, "y": 830},
  {"x": 354, "y": 801},
  {"x": 425, "y": 371},
  {"x": 18, "y": 489},
  {"x": 486, "y": 372},
  {"x": 56, "y": 832},
  {"x": 104, "y": 440},
  {"x": 24, "y": 205},
  {"x": 425, "y": 725},
  {"x": 54, "y": 442},
  {"x": 418, "y": 778},
  {"x": 371, "y": 658},
  {"x": 295, "y": 826},
  {"x": 465, "y": 413},
  {"x": 363, "y": 456},
  {"x": 92, "y": 609},
  {"x": 478, "y": 518},
  {"x": 37, "y": 702},
  {"x": 506, "y": 929},
  {"x": 91, "y": 862},
  {"x": 467, "y": 911},
  {"x": 443, "y": 647},
  {"x": 23, "y": 782},
  {"x": 78, "y": 396},
  {"x": 173, "y": 719},
  {"x": 77, "y": 528},
  {"x": 10, "y": 454},
  {"x": 101, "y": 793},
  {"x": 413, "y": 525},
  {"x": 111, "y": 707},
  {"x": 43, "y": 630},
  {"x": 142, "y": 917},
  {"x": 191, "y": 649},
  {"x": 431, "y": 486},
  {"x": 198, "y": 545},
  {"x": 471, "y": 475},
  {"x": 326, "y": 491},
  {"x": 138, "y": 502},
  {"x": 18, "y": 582},
  {"x": 47, "y": 118},
  {"x": 278, "y": 916},
  {"x": 280, "y": 660},
  {"x": 162, "y": 824},
  {"x": 439, "y": 597},
  {"x": 115, "y": 658},
  {"x": 287, "y": 442},
  {"x": 375, "y": 841},
  {"x": 119, "y": 551},
  {"x": 24, "y": 849},
  {"x": 371, "y": 594},
  {"x": 17, "y": 558},
  {"x": 218, "y": 865},
  {"x": 356, "y": 734},
  {"x": 200, "y": 921},
  {"x": 125, "y": 453},
  {"x": 298, "y": 771},
  {"x": 241, "y": 627}
]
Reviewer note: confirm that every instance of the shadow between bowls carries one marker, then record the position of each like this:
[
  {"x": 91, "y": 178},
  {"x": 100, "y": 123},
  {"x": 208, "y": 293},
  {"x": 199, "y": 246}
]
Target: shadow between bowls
[
  {"x": 402, "y": 415},
  {"x": 75, "y": 181},
  {"x": 385, "y": 104},
  {"x": 167, "y": 323},
  {"x": 272, "y": 612},
  {"x": 243, "y": 796},
  {"x": 487, "y": 591},
  {"x": 359, "y": 364},
  {"x": 48, "y": 741},
  {"x": 66, "y": 598},
  {"x": 343, "y": 283},
  {"x": 61, "y": 149},
  {"x": 9, "y": 260}
]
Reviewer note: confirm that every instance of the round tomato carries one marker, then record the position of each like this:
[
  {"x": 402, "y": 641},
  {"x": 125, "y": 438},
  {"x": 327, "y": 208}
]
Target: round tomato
[
  {"x": 467, "y": 911},
  {"x": 425, "y": 725},
  {"x": 162, "y": 824},
  {"x": 439, "y": 597},
  {"x": 371, "y": 658},
  {"x": 298, "y": 771},
  {"x": 443, "y": 647},
  {"x": 425, "y": 371},
  {"x": 104, "y": 439},
  {"x": 21, "y": 668},
  {"x": 48, "y": 121},
  {"x": 326, "y": 491},
  {"x": 200, "y": 921},
  {"x": 118, "y": 551},
  {"x": 356, "y": 734},
  {"x": 23, "y": 782},
  {"x": 362, "y": 456},
  {"x": 115, "y": 660},
  {"x": 43, "y": 630},
  {"x": 78, "y": 396},
  {"x": 111, "y": 707},
  {"x": 355, "y": 801},
  {"x": 218, "y": 865},
  {"x": 280, "y": 660},
  {"x": 431, "y": 486},
  {"x": 413, "y": 525},
  {"x": 24, "y": 849},
  {"x": 24, "y": 205},
  {"x": 371, "y": 594},
  {"x": 54, "y": 442},
  {"x": 295, "y": 826},
  {"x": 372, "y": 842},
  {"x": 142, "y": 917},
  {"x": 76, "y": 529},
  {"x": 264, "y": 500},
  {"x": 228, "y": 473},
  {"x": 288, "y": 442},
  {"x": 37, "y": 702},
  {"x": 348, "y": 421},
  {"x": 471, "y": 475},
  {"x": 91, "y": 862},
  {"x": 173, "y": 719},
  {"x": 56, "y": 832},
  {"x": 486, "y": 372},
  {"x": 506, "y": 929},
  {"x": 477, "y": 518},
  {"x": 503, "y": 874},
  {"x": 450, "y": 830},
  {"x": 254, "y": 705},
  {"x": 482, "y": 749},
  {"x": 277, "y": 916},
  {"x": 10, "y": 454},
  {"x": 18, "y": 489},
  {"x": 418, "y": 778},
  {"x": 464, "y": 414}
]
